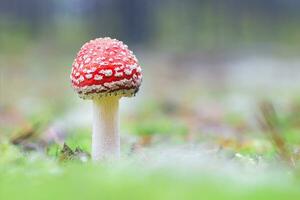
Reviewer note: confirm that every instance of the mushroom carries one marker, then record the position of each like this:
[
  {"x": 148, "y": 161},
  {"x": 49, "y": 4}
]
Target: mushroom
[{"x": 104, "y": 71}]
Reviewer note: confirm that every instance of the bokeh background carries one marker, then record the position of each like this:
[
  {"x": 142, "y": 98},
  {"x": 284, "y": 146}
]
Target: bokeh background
[
  {"x": 192, "y": 52},
  {"x": 204, "y": 58},
  {"x": 218, "y": 110}
]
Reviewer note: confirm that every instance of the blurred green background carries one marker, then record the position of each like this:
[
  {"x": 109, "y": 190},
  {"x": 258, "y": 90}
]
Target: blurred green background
[{"x": 217, "y": 116}]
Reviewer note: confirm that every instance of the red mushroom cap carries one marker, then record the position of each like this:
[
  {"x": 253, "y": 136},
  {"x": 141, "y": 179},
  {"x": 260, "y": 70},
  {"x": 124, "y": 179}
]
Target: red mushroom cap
[{"x": 105, "y": 67}]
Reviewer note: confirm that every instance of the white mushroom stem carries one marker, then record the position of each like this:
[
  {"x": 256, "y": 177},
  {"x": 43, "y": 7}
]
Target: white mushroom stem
[{"x": 106, "y": 139}]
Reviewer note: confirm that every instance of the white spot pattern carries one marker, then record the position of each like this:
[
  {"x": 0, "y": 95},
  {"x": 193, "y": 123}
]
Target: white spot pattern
[
  {"x": 88, "y": 76},
  {"x": 106, "y": 72},
  {"x": 98, "y": 77}
]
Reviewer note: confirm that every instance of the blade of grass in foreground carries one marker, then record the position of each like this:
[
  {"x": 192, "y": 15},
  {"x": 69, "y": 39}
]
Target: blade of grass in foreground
[{"x": 87, "y": 181}]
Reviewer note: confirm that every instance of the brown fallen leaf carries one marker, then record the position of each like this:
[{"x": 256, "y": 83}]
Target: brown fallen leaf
[{"x": 26, "y": 133}]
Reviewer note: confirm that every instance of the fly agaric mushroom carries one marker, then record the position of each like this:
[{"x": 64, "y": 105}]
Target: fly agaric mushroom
[{"x": 104, "y": 71}]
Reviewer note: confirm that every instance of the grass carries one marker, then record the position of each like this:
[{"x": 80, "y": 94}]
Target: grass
[{"x": 32, "y": 176}]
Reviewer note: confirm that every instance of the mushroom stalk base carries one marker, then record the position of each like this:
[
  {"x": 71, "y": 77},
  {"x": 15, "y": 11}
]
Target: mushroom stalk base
[{"x": 106, "y": 139}]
